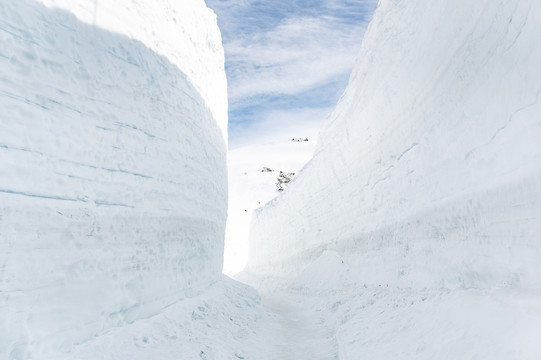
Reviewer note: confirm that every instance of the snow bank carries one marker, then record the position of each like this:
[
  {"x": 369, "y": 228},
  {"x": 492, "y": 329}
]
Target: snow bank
[
  {"x": 414, "y": 232},
  {"x": 185, "y": 32},
  {"x": 430, "y": 164},
  {"x": 113, "y": 189}
]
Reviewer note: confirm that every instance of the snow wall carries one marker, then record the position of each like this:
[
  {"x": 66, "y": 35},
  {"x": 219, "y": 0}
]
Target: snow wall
[
  {"x": 113, "y": 184},
  {"x": 430, "y": 164}
]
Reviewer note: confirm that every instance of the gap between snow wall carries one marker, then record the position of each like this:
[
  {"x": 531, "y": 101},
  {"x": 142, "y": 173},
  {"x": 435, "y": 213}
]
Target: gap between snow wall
[
  {"x": 430, "y": 165},
  {"x": 113, "y": 183}
]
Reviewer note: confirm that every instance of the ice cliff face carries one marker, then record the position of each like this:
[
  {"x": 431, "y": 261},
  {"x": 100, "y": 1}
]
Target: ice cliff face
[
  {"x": 429, "y": 167},
  {"x": 113, "y": 190}
]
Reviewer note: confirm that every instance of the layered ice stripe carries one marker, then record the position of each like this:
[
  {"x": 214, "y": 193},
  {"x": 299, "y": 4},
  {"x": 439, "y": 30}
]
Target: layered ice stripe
[
  {"x": 113, "y": 185},
  {"x": 183, "y": 31}
]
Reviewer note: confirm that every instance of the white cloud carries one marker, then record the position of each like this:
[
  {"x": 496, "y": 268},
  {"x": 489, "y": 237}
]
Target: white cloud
[
  {"x": 297, "y": 55},
  {"x": 287, "y": 62}
]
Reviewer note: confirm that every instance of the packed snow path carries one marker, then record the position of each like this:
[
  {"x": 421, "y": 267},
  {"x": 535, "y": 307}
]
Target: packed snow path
[
  {"x": 301, "y": 333},
  {"x": 350, "y": 320}
]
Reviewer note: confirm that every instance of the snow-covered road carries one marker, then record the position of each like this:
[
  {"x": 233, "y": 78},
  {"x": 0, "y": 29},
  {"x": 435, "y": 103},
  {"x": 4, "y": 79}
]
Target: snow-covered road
[
  {"x": 389, "y": 322},
  {"x": 303, "y": 332}
]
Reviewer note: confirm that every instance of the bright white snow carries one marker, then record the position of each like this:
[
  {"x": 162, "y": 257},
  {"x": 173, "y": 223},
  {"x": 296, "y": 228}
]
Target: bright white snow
[
  {"x": 113, "y": 183},
  {"x": 433, "y": 150},
  {"x": 253, "y": 173},
  {"x": 184, "y": 32},
  {"x": 414, "y": 232}
]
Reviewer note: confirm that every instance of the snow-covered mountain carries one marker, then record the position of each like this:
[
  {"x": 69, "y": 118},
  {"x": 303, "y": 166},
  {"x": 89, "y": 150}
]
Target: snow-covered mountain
[
  {"x": 415, "y": 230},
  {"x": 253, "y": 174},
  {"x": 113, "y": 182}
]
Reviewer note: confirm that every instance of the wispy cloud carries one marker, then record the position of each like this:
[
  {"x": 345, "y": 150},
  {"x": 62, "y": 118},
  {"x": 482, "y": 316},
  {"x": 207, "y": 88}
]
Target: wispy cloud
[
  {"x": 297, "y": 55},
  {"x": 280, "y": 54}
]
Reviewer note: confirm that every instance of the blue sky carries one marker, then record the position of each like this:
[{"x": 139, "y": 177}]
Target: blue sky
[{"x": 287, "y": 62}]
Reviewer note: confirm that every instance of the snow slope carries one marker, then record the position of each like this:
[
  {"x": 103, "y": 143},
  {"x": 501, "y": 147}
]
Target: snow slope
[
  {"x": 113, "y": 183},
  {"x": 414, "y": 232},
  {"x": 251, "y": 186}
]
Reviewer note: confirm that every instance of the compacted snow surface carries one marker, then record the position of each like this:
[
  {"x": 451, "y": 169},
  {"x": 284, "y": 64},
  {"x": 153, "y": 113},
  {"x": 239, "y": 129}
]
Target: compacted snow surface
[{"x": 412, "y": 233}]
